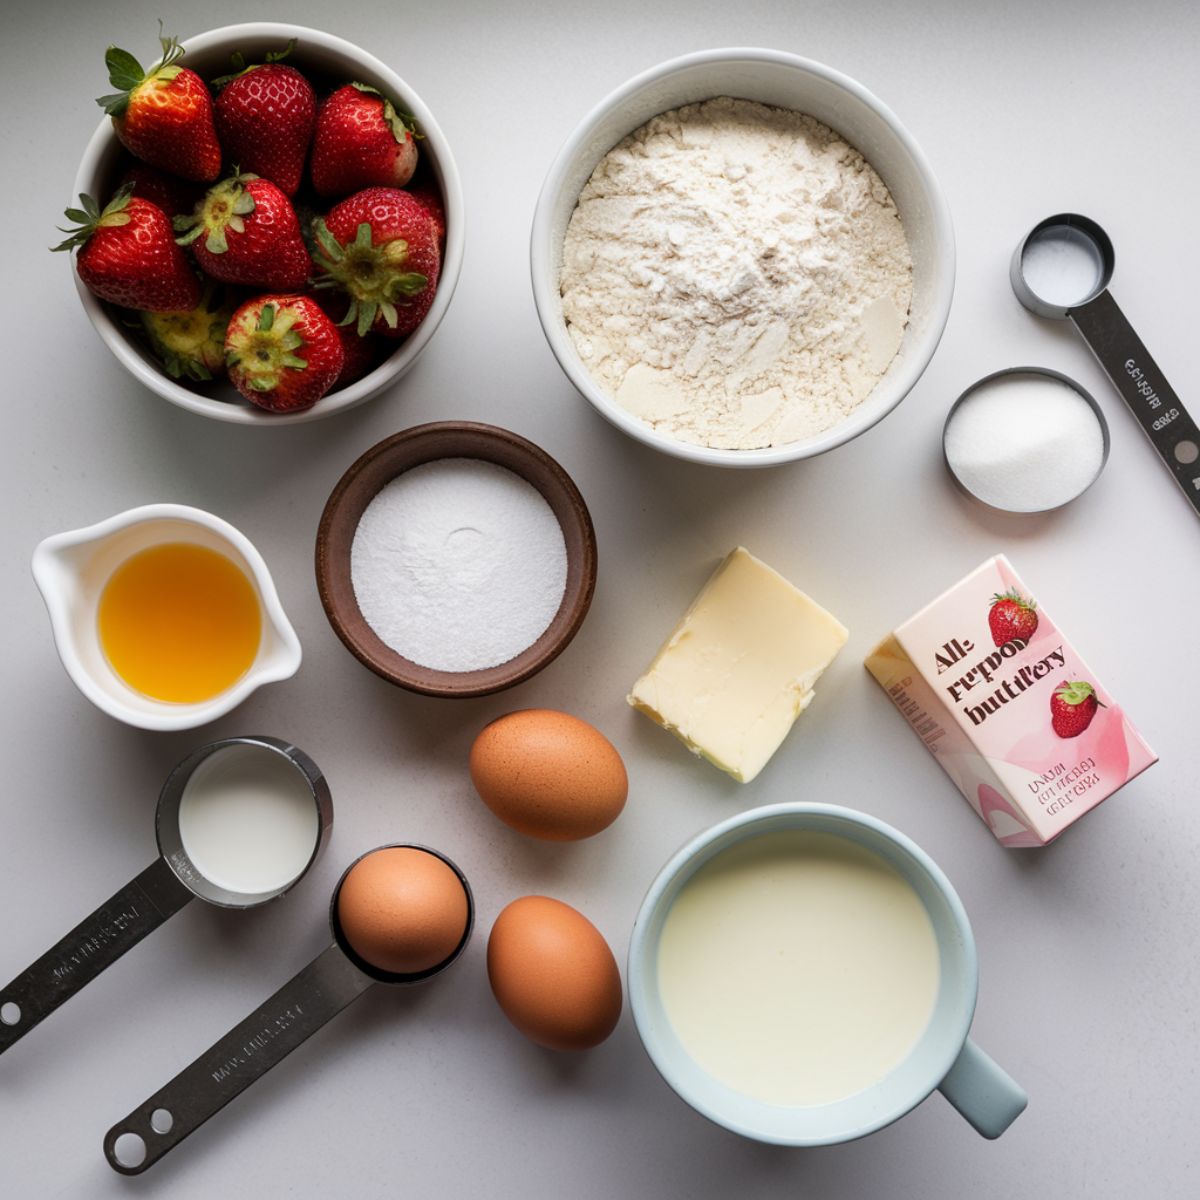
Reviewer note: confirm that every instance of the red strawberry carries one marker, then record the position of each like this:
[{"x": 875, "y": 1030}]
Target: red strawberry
[
  {"x": 362, "y": 353},
  {"x": 361, "y": 140},
  {"x": 172, "y": 195},
  {"x": 1012, "y": 616},
  {"x": 431, "y": 198},
  {"x": 265, "y": 116},
  {"x": 245, "y": 231},
  {"x": 128, "y": 255},
  {"x": 282, "y": 352},
  {"x": 191, "y": 344},
  {"x": 1072, "y": 707},
  {"x": 164, "y": 115},
  {"x": 379, "y": 246}
]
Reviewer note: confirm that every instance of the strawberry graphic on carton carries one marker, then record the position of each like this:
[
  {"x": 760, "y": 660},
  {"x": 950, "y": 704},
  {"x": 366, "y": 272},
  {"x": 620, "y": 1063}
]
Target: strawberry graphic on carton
[
  {"x": 1012, "y": 616},
  {"x": 1072, "y": 707},
  {"x": 974, "y": 674}
]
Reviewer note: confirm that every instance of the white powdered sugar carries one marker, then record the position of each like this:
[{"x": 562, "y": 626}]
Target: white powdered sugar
[
  {"x": 458, "y": 564},
  {"x": 736, "y": 275}
]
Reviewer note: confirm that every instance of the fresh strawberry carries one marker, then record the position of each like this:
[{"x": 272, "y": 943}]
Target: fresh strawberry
[
  {"x": 191, "y": 345},
  {"x": 427, "y": 193},
  {"x": 362, "y": 139},
  {"x": 282, "y": 352},
  {"x": 1072, "y": 707},
  {"x": 171, "y": 194},
  {"x": 380, "y": 247},
  {"x": 362, "y": 353},
  {"x": 1012, "y": 616},
  {"x": 128, "y": 255},
  {"x": 245, "y": 231},
  {"x": 164, "y": 115},
  {"x": 265, "y": 116}
]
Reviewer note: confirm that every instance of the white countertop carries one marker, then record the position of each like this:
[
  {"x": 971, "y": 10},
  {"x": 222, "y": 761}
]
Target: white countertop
[{"x": 1089, "y": 977}]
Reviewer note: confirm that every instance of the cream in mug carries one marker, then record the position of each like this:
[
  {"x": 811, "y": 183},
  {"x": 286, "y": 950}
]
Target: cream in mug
[{"x": 798, "y": 968}]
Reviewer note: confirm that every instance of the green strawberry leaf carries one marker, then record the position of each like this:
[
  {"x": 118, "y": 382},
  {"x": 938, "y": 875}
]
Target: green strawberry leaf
[
  {"x": 272, "y": 56},
  {"x": 402, "y": 124},
  {"x": 124, "y": 71},
  {"x": 1016, "y": 597},
  {"x": 266, "y": 318},
  {"x": 237, "y": 60},
  {"x": 1076, "y": 692},
  {"x": 331, "y": 247},
  {"x": 410, "y": 284},
  {"x": 114, "y": 105},
  {"x": 89, "y": 218}
]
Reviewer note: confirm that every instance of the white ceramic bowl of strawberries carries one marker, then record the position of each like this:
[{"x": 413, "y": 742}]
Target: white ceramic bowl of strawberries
[{"x": 329, "y": 63}]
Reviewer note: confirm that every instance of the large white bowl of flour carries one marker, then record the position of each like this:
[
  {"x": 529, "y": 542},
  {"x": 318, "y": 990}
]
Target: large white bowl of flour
[{"x": 669, "y": 327}]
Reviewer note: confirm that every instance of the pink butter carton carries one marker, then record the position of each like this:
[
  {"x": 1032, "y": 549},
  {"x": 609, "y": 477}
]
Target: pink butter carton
[{"x": 1005, "y": 703}]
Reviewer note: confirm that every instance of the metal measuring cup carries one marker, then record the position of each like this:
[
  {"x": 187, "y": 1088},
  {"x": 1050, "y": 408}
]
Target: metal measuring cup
[
  {"x": 144, "y": 903},
  {"x": 1136, "y": 376},
  {"x": 268, "y": 1035},
  {"x": 954, "y": 467}
]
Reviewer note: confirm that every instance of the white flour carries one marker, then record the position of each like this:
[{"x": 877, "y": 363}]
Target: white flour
[
  {"x": 736, "y": 275},
  {"x": 458, "y": 564}
]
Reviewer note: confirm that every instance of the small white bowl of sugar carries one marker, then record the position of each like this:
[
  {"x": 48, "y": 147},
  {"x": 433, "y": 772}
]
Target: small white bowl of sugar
[{"x": 1025, "y": 440}]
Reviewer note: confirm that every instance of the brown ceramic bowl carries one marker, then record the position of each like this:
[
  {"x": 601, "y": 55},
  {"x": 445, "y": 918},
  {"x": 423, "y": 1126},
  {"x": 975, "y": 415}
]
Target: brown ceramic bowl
[{"x": 410, "y": 448}]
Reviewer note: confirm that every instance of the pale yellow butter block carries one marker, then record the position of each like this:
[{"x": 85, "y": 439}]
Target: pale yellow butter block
[{"x": 740, "y": 667}]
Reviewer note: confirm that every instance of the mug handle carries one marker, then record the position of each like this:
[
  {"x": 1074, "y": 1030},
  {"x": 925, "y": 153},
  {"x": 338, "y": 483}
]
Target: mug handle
[{"x": 984, "y": 1093}]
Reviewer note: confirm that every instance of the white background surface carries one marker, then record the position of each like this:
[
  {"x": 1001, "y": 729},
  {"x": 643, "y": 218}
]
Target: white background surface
[{"x": 1089, "y": 979}]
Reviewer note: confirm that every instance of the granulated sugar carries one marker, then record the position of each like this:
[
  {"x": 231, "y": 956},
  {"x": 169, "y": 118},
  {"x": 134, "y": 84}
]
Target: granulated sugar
[
  {"x": 1025, "y": 443},
  {"x": 736, "y": 275},
  {"x": 458, "y": 564}
]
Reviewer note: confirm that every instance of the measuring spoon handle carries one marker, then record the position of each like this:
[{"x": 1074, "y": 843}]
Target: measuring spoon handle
[
  {"x": 229, "y": 1066},
  {"x": 1144, "y": 388},
  {"x": 96, "y": 942}
]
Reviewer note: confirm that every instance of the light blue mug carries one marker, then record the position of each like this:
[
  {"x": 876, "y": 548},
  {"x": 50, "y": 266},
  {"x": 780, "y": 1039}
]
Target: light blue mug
[{"x": 944, "y": 1057}]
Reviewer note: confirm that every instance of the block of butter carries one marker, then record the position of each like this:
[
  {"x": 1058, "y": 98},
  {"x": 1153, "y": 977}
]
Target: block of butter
[{"x": 740, "y": 667}]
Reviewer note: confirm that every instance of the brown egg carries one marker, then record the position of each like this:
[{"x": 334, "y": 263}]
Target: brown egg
[
  {"x": 549, "y": 774},
  {"x": 553, "y": 974},
  {"x": 403, "y": 910}
]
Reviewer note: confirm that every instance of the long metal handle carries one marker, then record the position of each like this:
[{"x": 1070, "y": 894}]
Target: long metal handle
[
  {"x": 116, "y": 926},
  {"x": 1144, "y": 388},
  {"x": 232, "y": 1064}
]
